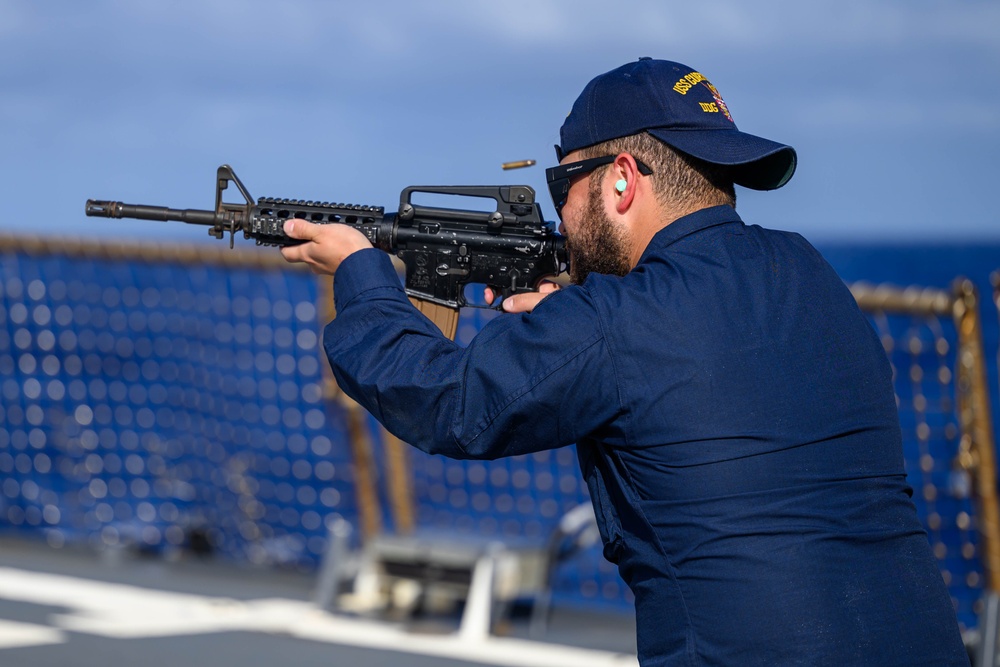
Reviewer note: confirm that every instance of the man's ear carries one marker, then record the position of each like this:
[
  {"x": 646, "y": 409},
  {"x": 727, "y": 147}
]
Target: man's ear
[{"x": 625, "y": 174}]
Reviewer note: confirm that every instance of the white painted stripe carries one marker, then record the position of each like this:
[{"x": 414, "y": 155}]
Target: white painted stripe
[
  {"x": 116, "y": 610},
  {"x": 19, "y": 635}
]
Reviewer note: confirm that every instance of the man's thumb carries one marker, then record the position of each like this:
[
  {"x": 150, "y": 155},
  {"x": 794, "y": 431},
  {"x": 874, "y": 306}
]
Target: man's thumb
[{"x": 300, "y": 229}]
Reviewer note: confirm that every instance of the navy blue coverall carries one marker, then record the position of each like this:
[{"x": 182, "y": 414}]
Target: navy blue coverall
[{"x": 735, "y": 424}]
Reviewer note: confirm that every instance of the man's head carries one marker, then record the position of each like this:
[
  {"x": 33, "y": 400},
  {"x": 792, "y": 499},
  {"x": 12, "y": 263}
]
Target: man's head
[{"x": 658, "y": 142}]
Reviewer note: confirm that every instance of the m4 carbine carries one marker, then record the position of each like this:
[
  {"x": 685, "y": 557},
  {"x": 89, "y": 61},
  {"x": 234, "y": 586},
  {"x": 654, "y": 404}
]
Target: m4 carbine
[{"x": 443, "y": 250}]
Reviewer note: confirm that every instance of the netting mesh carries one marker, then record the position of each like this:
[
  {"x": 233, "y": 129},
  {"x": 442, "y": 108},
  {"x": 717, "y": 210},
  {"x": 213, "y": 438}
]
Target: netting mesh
[{"x": 154, "y": 404}]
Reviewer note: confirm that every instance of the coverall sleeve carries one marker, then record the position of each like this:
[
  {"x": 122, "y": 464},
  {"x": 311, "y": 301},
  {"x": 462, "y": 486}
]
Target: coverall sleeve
[{"x": 526, "y": 382}]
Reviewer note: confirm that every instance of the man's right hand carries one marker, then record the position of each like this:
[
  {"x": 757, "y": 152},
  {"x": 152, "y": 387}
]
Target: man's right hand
[{"x": 526, "y": 302}]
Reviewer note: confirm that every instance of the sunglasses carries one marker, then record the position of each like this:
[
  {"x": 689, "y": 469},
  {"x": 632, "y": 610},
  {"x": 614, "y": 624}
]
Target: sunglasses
[{"x": 561, "y": 176}]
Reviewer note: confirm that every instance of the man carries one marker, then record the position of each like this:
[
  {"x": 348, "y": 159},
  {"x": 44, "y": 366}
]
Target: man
[{"x": 732, "y": 408}]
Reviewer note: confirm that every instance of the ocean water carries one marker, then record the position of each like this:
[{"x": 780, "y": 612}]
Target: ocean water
[{"x": 927, "y": 265}]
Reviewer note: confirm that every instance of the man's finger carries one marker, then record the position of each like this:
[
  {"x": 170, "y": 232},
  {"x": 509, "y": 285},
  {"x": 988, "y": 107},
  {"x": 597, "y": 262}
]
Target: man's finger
[
  {"x": 547, "y": 287},
  {"x": 292, "y": 253},
  {"x": 522, "y": 303},
  {"x": 301, "y": 229}
]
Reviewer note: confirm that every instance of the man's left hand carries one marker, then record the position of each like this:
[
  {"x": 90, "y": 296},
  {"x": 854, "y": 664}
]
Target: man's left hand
[{"x": 326, "y": 246}]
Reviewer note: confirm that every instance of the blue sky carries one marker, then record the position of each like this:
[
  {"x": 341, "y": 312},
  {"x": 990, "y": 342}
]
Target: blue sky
[{"x": 893, "y": 106}]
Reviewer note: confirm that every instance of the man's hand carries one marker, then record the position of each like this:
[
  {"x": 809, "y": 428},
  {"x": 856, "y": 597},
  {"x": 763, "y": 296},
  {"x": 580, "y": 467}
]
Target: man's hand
[
  {"x": 326, "y": 245},
  {"x": 524, "y": 303}
]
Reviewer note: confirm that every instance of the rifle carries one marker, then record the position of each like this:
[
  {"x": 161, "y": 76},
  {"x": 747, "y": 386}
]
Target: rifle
[{"x": 509, "y": 250}]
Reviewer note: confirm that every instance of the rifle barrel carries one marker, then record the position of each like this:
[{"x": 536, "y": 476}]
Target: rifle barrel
[{"x": 114, "y": 209}]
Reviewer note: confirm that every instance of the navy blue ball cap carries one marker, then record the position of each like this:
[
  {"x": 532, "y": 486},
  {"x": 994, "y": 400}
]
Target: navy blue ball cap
[{"x": 681, "y": 108}]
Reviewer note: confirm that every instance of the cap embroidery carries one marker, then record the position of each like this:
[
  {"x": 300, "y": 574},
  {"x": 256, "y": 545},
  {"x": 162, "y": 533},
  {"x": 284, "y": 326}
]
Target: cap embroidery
[
  {"x": 688, "y": 82},
  {"x": 718, "y": 101}
]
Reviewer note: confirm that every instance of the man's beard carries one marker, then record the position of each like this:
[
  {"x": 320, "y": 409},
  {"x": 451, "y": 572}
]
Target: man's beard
[{"x": 599, "y": 246}]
